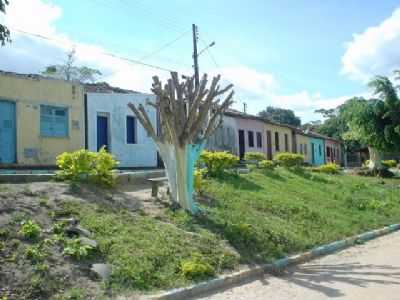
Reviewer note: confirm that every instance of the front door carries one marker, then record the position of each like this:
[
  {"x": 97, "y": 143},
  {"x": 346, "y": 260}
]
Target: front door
[
  {"x": 313, "y": 153},
  {"x": 241, "y": 144},
  {"x": 102, "y": 132},
  {"x": 269, "y": 145},
  {"x": 7, "y": 132}
]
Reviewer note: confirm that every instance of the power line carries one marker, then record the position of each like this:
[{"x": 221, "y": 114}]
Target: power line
[
  {"x": 134, "y": 61},
  {"x": 165, "y": 46}
]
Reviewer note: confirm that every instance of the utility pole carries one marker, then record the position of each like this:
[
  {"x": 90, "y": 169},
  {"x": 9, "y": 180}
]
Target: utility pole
[
  {"x": 244, "y": 107},
  {"x": 195, "y": 57}
]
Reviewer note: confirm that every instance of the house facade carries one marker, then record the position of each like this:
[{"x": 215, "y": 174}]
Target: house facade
[
  {"x": 225, "y": 138},
  {"x": 39, "y": 119},
  {"x": 279, "y": 138},
  {"x": 303, "y": 146},
  {"x": 317, "y": 150},
  {"x": 113, "y": 125},
  {"x": 333, "y": 151}
]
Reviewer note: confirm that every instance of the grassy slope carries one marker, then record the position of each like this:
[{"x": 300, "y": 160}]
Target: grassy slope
[{"x": 267, "y": 215}]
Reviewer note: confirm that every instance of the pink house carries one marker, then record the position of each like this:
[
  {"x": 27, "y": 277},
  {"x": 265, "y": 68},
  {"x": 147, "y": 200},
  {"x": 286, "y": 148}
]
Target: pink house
[{"x": 333, "y": 151}]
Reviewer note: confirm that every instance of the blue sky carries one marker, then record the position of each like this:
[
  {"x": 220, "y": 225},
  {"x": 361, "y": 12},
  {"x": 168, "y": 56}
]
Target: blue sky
[{"x": 301, "y": 55}]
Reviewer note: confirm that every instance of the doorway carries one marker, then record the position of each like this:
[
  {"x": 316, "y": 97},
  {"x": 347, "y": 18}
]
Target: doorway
[
  {"x": 7, "y": 132},
  {"x": 269, "y": 145},
  {"x": 102, "y": 132},
  {"x": 241, "y": 144}
]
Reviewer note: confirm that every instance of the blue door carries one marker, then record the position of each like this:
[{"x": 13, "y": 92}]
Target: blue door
[
  {"x": 7, "y": 132},
  {"x": 102, "y": 132}
]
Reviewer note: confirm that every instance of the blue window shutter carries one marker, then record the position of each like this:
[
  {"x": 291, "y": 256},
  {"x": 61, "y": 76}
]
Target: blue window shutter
[
  {"x": 53, "y": 121},
  {"x": 130, "y": 130}
]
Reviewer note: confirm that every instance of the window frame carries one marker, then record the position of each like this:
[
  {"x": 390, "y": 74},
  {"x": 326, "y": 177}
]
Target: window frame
[
  {"x": 250, "y": 138},
  {"x": 277, "y": 146},
  {"x": 259, "y": 139},
  {"x": 51, "y": 133},
  {"x": 286, "y": 142},
  {"x": 135, "y": 130}
]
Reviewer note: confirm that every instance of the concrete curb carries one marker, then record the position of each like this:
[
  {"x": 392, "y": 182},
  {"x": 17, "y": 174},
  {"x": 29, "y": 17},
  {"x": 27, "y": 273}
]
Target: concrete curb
[{"x": 225, "y": 281}]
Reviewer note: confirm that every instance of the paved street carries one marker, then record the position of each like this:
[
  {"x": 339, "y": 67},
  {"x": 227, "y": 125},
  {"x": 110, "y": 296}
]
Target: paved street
[{"x": 369, "y": 271}]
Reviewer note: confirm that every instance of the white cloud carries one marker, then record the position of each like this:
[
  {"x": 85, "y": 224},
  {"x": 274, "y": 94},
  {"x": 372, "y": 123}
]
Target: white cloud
[{"x": 375, "y": 51}]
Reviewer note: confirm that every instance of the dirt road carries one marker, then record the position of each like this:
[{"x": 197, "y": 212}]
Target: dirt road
[{"x": 368, "y": 271}]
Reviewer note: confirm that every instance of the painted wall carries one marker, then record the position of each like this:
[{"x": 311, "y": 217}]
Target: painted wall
[
  {"x": 319, "y": 152},
  {"x": 304, "y": 146},
  {"x": 28, "y": 94},
  {"x": 141, "y": 154},
  {"x": 254, "y": 126},
  {"x": 225, "y": 138},
  {"x": 334, "y": 151},
  {"x": 281, "y": 134}
]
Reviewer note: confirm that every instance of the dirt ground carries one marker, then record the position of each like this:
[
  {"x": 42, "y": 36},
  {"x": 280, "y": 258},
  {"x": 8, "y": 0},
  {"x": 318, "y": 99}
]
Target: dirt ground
[
  {"x": 368, "y": 271},
  {"x": 42, "y": 201}
]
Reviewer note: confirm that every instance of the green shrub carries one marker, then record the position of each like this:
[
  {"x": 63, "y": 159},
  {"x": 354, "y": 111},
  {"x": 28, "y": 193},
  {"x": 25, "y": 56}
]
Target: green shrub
[
  {"x": 196, "y": 268},
  {"x": 217, "y": 162},
  {"x": 287, "y": 159},
  {"x": 266, "y": 164},
  {"x": 77, "y": 250},
  {"x": 84, "y": 165},
  {"x": 35, "y": 254},
  {"x": 391, "y": 163},
  {"x": 29, "y": 230},
  {"x": 329, "y": 168},
  {"x": 254, "y": 156},
  {"x": 198, "y": 181}
]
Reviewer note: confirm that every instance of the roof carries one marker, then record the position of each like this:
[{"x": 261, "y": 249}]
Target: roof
[
  {"x": 104, "y": 87},
  {"x": 34, "y": 77}
]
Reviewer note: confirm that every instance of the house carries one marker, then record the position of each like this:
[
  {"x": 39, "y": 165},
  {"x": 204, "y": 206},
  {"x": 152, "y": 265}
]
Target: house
[
  {"x": 39, "y": 119},
  {"x": 303, "y": 146},
  {"x": 333, "y": 151},
  {"x": 317, "y": 149},
  {"x": 113, "y": 125},
  {"x": 225, "y": 137},
  {"x": 279, "y": 138}
]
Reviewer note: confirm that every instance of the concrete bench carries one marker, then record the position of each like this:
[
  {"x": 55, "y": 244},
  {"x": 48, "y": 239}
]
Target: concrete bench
[{"x": 155, "y": 184}]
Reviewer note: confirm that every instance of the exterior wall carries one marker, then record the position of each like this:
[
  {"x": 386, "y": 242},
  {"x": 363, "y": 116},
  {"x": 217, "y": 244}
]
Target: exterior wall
[
  {"x": 304, "y": 147},
  {"x": 254, "y": 126},
  {"x": 141, "y": 154},
  {"x": 282, "y": 131},
  {"x": 319, "y": 157},
  {"x": 334, "y": 153},
  {"x": 28, "y": 94},
  {"x": 225, "y": 138}
]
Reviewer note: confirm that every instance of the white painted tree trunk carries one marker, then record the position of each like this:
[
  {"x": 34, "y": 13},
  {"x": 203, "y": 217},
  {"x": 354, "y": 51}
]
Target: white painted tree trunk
[{"x": 375, "y": 159}]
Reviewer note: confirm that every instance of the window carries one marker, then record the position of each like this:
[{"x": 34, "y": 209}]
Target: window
[
  {"x": 320, "y": 150},
  {"x": 259, "y": 140},
  {"x": 286, "y": 142},
  {"x": 305, "y": 149},
  {"x": 251, "y": 138},
  {"x": 53, "y": 121},
  {"x": 276, "y": 141},
  {"x": 130, "y": 130},
  {"x": 301, "y": 148},
  {"x": 328, "y": 151}
]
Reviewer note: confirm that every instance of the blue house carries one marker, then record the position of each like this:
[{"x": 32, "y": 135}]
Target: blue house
[{"x": 317, "y": 149}]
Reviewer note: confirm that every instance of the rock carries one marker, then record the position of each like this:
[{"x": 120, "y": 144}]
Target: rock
[
  {"x": 88, "y": 242},
  {"x": 70, "y": 221},
  {"x": 78, "y": 230},
  {"x": 101, "y": 270}
]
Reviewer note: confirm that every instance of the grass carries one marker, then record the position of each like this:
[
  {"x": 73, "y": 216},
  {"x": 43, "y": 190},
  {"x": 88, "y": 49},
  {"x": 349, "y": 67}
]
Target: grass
[{"x": 268, "y": 214}]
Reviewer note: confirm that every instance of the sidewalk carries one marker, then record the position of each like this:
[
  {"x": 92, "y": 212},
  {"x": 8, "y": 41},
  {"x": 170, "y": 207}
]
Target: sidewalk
[{"x": 369, "y": 271}]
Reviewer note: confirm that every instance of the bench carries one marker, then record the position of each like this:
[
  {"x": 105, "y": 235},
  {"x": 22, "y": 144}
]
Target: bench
[{"x": 155, "y": 184}]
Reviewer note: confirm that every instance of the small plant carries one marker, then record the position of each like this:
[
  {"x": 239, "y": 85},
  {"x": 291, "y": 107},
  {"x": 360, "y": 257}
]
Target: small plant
[
  {"x": 77, "y": 250},
  {"x": 217, "y": 162},
  {"x": 84, "y": 165},
  {"x": 35, "y": 253},
  {"x": 196, "y": 268},
  {"x": 391, "y": 163},
  {"x": 59, "y": 227},
  {"x": 44, "y": 201},
  {"x": 29, "y": 230},
  {"x": 198, "y": 180},
  {"x": 254, "y": 156},
  {"x": 329, "y": 168},
  {"x": 266, "y": 165},
  {"x": 286, "y": 159}
]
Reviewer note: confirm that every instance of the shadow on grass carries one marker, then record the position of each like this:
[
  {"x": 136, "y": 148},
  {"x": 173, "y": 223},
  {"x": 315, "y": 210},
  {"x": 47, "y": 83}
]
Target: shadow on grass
[
  {"x": 273, "y": 175},
  {"x": 238, "y": 181},
  {"x": 306, "y": 174}
]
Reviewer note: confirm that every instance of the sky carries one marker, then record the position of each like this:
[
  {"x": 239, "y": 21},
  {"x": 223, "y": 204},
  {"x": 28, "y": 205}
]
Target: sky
[{"x": 301, "y": 55}]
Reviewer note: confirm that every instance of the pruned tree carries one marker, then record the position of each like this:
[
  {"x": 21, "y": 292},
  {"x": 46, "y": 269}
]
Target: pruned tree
[
  {"x": 4, "y": 31},
  {"x": 188, "y": 115}
]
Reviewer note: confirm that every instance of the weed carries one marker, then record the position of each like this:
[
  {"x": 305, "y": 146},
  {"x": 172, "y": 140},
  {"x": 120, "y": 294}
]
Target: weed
[
  {"x": 29, "y": 230},
  {"x": 35, "y": 253},
  {"x": 44, "y": 201},
  {"x": 77, "y": 250}
]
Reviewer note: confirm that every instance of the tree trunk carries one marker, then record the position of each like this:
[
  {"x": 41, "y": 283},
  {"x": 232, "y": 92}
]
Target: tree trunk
[
  {"x": 179, "y": 165},
  {"x": 375, "y": 159}
]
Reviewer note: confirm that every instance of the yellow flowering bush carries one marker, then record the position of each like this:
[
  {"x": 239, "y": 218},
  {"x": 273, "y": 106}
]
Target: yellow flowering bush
[{"x": 216, "y": 162}]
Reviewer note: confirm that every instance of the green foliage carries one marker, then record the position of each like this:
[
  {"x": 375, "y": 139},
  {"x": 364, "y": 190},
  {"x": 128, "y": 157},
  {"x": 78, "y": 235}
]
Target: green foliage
[
  {"x": 84, "y": 165},
  {"x": 29, "y": 230},
  {"x": 287, "y": 159},
  {"x": 197, "y": 268},
  {"x": 329, "y": 168},
  {"x": 266, "y": 165},
  {"x": 254, "y": 156},
  {"x": 280, "y": 115},
  {"x": 217, "y": 162},
  {"x": 198, "y": 179},
  {"x": 391, "y": 163},
  {"x": 35, "y": 253},
  {"x": 77, "y": 250}
]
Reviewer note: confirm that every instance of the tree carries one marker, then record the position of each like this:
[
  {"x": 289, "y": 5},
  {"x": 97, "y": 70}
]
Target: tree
[
  {"x": 188, "y": 116},
  {"x": 68, "y": 71},
  {"x": 4, "y": 31},
  {"x": 376, "y": 122},
  {"x": 280, "y": 115}
]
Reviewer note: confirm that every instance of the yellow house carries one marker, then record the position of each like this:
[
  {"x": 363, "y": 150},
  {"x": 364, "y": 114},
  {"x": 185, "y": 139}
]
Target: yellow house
[
  {"x": 39, "y": 119},
  {"x": 279, "y": 138},
  {"x": 303, "y": 145}
]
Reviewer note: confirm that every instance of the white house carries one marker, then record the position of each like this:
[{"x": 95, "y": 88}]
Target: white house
[{"x": 110, "y": 123}]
